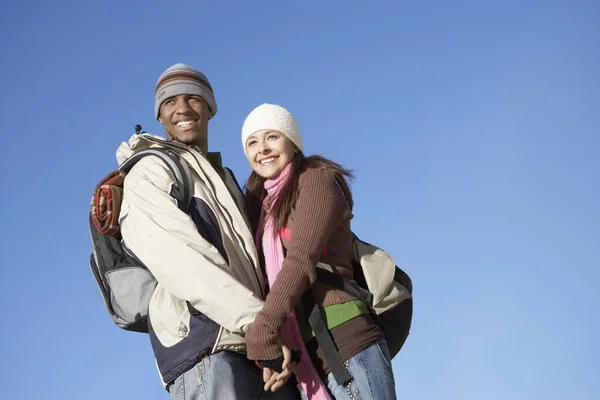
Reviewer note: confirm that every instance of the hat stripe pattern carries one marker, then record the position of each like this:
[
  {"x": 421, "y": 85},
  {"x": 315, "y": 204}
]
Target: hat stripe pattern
[{"x": 174, "y": 76}]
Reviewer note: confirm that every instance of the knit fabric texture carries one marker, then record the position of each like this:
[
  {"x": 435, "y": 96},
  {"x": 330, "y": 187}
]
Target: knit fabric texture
[
  {"x": 183, "y": 79},
  {"x": 272, "y": 117},
  {"x": 320, "y": 219}
]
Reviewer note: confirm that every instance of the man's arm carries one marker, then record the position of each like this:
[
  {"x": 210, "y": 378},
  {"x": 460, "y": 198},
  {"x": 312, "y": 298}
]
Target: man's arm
[{"x": 166, "y": 240}]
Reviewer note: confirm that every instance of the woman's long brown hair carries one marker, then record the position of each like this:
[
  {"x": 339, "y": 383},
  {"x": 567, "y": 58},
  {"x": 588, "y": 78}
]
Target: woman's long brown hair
[{"x": 255, "y": 191}]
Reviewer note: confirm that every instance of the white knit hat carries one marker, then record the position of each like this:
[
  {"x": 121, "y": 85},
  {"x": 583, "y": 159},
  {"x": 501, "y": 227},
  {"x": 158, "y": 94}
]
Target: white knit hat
[{"x": 272, "y": 117}]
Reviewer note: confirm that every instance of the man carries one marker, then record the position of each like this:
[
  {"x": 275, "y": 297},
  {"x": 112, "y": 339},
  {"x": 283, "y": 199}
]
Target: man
[{"x": 210, "y": 286}]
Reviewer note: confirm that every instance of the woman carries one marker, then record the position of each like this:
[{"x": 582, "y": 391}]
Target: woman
[{"x": 300, "y": 208}]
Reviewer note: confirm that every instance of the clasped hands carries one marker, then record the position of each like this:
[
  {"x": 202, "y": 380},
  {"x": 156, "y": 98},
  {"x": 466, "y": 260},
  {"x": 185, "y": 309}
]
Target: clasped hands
[{"x": 276, "y": 377}]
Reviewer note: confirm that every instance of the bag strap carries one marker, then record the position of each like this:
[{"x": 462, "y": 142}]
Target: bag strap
[
  {"x": 317, "y": 323},
  {"x": 180, "y": 169},
  {"x": 349, "y": 286}
]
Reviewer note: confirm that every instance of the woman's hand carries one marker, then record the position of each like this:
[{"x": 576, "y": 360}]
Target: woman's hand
[
  {"x": 279, "y": 363},
  {"x": 276, "y": 380},
  {"x": 262, "y": 342}
]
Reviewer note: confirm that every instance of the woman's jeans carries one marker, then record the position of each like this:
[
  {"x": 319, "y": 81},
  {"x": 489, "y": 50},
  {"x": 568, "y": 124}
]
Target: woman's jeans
[{"x": 371, "y": 370}]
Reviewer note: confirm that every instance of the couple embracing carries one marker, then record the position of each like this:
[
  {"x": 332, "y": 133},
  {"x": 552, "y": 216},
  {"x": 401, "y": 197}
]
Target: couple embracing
[{"x": 226, "y": 319}]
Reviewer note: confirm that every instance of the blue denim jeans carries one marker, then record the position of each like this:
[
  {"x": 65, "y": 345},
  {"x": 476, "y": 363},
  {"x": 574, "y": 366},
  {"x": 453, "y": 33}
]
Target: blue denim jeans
[
  {"x": 227, "y": 376},
  {"x": 372, "y": 373}
]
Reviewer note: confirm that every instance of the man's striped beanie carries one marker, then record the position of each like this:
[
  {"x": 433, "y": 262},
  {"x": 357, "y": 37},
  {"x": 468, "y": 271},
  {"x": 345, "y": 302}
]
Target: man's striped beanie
[{"x": 183, "y": 79}]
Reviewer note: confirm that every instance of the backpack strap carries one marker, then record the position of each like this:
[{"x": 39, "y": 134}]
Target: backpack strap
[
  {"x": 180, "y": 169},
  {"x": 317, "y": 323},
  {"x": 349, "y": 286}
]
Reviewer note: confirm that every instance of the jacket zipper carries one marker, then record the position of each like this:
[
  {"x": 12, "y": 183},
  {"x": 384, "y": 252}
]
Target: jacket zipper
[{"x": 242, "y": 241}]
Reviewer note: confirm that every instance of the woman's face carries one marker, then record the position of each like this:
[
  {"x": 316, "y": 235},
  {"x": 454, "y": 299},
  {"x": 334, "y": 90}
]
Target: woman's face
[{"x": 269, "y": 152}]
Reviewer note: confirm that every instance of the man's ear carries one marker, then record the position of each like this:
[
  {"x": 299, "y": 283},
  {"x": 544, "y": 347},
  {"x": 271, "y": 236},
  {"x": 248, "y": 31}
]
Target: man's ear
[{"x": 160, "y": 120}]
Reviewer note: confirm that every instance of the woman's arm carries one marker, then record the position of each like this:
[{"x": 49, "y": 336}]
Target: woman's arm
[{"x": 320, "y": 208}]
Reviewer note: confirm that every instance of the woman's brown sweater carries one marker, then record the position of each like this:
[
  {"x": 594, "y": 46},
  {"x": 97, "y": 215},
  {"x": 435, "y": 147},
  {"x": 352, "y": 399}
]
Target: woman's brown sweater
[{"x": 320, "y": 231}]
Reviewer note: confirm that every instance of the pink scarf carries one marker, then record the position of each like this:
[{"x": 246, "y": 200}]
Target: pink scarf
[{"x": 290, "y": 332}]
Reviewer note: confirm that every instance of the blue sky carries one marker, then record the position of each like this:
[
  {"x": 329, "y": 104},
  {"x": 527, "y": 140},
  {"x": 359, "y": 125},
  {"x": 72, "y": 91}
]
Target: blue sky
[{"x": 473, "y": 129}]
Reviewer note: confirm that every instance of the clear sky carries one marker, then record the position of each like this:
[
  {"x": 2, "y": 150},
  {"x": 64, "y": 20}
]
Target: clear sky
[{"x": 473, "y": 128}]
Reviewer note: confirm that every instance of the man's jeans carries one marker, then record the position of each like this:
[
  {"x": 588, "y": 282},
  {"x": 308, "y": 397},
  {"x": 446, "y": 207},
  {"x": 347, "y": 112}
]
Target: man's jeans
[
  {"x": 227, "y": 376},
  {"x": 372, "y": 373}
]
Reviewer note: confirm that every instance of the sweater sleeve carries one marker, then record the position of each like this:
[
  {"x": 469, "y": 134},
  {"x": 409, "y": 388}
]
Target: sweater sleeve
[{"x": 320, "y": 208}]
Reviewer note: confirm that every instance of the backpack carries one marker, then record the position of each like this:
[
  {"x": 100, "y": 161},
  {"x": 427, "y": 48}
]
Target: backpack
[{"x": 125, "y": 284}]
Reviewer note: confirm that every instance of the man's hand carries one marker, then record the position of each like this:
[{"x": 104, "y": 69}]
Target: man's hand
[{"x": 276, "y": 380}]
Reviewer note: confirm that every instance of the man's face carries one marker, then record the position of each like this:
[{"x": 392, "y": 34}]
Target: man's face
[{"x": 185, "y": 118}]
